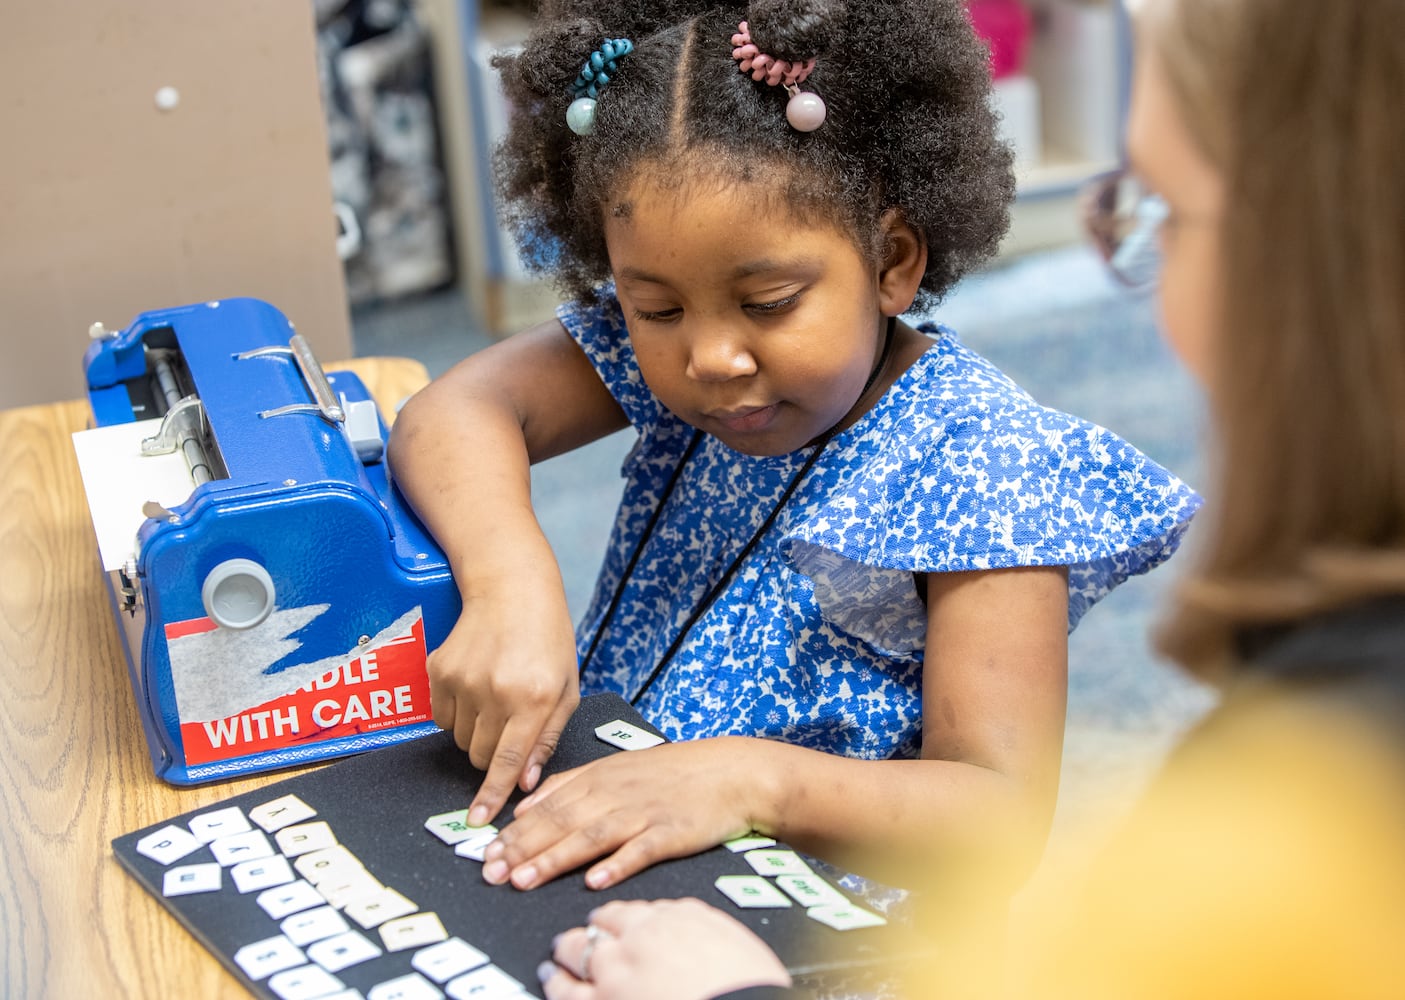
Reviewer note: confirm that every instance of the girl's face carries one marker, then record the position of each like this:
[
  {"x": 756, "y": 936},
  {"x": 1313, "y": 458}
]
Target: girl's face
[
  {"x": 749, "y": 324},
  {"x": 1164, "y": 155}
]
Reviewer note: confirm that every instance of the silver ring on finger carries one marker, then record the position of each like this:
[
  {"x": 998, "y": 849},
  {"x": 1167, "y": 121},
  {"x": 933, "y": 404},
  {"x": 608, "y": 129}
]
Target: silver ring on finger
[{"x": 592, "y": 935}]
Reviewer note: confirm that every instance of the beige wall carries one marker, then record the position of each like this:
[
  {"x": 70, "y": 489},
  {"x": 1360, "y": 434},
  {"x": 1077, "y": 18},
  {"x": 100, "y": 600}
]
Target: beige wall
[{"x": 110, "y": 206}]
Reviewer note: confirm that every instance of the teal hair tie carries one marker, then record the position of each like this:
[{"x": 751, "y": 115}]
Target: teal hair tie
[
  {"x": 601, "y": 67},
  {"x": 598, "y": 70}
]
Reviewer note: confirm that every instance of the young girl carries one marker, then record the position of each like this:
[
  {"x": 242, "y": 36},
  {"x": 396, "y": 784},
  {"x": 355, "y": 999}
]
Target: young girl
[
  {"x": 849, "y": 551},
  {"x": 1265, "y": 861}
]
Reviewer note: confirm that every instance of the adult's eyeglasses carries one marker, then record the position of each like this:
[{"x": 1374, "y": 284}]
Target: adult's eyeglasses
[{"x": 1123, "y": 219}]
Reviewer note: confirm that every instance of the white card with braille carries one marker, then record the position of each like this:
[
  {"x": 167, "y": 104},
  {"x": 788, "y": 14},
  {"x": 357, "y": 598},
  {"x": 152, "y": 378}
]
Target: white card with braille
[
  {"x": 751, "y": 892},
  {"x": 779, "y": 862},
  {"x": 281, "y": 812},
  {"x": 811, "y": 890},
  {"x": 168, "y": 844},
  {"x": 626, "y": 736},
  {"x": 846, "y": 917}
]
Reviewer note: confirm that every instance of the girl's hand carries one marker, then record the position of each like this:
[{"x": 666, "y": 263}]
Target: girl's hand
[
  {"x": 504, "y": 681},
  {"x": 632, "y": 808},
  {"x": 683, "y": 949}
]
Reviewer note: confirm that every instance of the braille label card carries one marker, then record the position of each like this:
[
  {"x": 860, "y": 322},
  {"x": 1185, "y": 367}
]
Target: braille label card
[
  {"x": 247, "y": 846},
  {"x": 811, "y": 890},
  {"x": 345, "y": 891},
  {"x": 411, "y": 987},
  {"x": 626, "y": 736},
  {"x": 750, "y": 842},
  {"x": 376, "y": 910},
  {"x": 290, "y": 898},
  {"x": 342, "y": 951},
  {"x": 305, "y": 983},
  {"x": 414, "y": 931},
  {"x": 487, "y": 983},
  {"x": 281, "y": 812},
  {"x": 188, "y": 879},
  {"x": 751, "y": 892},
  {"x": 167, "y": 845},
  {"x": 218, "y": 823},
  {"x": 846, "y": 917},
  {"x": 263, "y": 958},
  {"x": 328, "y": 864},
  {"x": 474, "y": 849},
  {"x": 263, "y": 873},
  {"x": 313, "y": 925},
  {"x": 453, "y": 828},
  {"x": 776, "y": 863},
  {"x": 305, "y": 837},
  {"x": 444, "y": 961}
]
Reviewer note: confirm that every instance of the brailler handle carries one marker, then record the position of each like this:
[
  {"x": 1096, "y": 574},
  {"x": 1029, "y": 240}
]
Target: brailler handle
[
  {"x": 316, "y": 379},
  {"x": 323, "y": 401}
]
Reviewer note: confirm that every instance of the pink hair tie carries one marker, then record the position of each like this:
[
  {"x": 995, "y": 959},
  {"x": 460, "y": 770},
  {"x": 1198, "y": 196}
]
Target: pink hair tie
[{"x": 805, "y": 111}]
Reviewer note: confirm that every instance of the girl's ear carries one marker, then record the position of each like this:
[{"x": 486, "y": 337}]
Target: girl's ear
[{"x": 900, "y": 274}]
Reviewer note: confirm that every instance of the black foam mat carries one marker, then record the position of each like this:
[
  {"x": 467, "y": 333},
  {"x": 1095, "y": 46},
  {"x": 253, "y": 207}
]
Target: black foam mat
[{"x": 377, "y": 804}]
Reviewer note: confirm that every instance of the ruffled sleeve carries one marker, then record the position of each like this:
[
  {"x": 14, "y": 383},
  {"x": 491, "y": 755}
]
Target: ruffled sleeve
[
  {"x": 964, "y": 471},
  {"x": 601, "y": 333}
]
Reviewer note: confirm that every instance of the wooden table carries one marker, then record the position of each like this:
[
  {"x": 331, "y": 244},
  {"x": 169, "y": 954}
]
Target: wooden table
[{"x": 74, "y": 770}]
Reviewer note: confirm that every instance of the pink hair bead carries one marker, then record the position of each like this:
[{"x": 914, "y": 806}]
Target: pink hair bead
[{"x": 805, "y": 111}]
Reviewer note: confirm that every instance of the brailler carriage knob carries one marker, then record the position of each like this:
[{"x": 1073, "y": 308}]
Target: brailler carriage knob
[{"x": 237, "y": 593}]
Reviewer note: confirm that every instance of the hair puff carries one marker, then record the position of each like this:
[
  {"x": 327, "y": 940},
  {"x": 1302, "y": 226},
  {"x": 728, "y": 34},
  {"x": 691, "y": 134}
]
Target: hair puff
[
  {"x": 909, "y": 127},
  {"x": 794, "y": 30}
]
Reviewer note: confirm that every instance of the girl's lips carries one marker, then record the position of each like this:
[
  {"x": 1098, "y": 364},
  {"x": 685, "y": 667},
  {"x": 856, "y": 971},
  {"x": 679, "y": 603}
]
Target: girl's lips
[{"x": 748, "y": 420}]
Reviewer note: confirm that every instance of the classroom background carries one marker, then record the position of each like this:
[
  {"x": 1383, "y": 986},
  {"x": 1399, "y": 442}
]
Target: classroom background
[
  {"x": 1044, "y": 311},
  {"x": 333, "y": 158}
]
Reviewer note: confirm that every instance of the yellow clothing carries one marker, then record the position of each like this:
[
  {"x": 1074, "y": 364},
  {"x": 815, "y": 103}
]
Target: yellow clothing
[{"x": 1267, "y": 860}]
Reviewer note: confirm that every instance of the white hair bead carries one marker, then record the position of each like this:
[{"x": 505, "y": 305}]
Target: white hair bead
[{"x": 580, "y": 116}]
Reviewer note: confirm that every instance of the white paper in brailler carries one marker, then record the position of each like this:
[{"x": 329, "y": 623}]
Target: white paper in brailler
[{"x": 119, "y": 480}]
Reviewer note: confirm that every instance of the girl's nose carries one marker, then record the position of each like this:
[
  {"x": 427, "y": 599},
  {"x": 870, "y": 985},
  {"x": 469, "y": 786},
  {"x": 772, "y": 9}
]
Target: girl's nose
[{"x": 717, "y": 358}]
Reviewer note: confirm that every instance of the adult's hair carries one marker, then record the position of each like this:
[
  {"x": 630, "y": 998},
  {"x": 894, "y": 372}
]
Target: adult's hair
[
  {"x": 1297, "y": 105},
  {"x": 909, "y": 125}
]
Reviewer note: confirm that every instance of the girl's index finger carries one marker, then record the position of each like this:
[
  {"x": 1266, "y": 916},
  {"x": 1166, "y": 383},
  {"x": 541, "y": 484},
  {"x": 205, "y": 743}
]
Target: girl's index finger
[
  {"x": 548, "y": 739},
  {"x": 508, "y": 763}
]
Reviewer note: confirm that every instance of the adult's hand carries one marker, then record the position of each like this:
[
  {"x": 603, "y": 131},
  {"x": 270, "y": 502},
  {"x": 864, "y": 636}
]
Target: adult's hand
[{"x": 683, "y": 949}]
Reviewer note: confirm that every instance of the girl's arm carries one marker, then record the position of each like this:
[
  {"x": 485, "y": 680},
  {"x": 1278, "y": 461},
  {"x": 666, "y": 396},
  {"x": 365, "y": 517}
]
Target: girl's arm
[
  {"x": 995, "y": 691},
  {"x": 995, "y": 694},
  {"x": 504, "y": 680}
]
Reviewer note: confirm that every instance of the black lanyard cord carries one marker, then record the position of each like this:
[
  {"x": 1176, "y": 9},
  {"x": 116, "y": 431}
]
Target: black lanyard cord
[
  {"x": 644, "y": 537},
  {"x": 702, "y": 606}
]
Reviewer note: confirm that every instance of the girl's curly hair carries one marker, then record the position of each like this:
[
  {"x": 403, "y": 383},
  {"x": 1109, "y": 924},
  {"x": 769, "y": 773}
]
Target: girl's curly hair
[{"x": 909, "y": 128}]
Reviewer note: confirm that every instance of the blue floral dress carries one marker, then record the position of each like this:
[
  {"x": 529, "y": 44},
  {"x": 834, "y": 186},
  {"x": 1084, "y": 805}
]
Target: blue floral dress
[{"x": 818, "y": 638}]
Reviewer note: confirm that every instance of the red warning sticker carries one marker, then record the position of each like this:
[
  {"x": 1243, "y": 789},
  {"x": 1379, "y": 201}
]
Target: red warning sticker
[{"x": 384, "y": 687}]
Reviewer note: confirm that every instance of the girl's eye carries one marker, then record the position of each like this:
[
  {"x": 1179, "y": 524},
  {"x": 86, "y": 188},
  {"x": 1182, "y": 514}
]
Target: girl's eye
[
  {"x": 657, "y": 315},
  {"x": 769, "y": 308}
]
